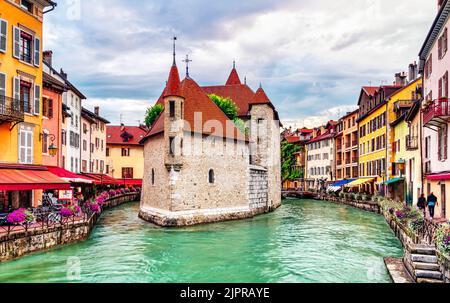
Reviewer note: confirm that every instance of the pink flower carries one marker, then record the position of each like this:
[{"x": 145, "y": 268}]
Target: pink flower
[
  {"x": 95, "y": 208},
  {"x": 67, "y": 212}
]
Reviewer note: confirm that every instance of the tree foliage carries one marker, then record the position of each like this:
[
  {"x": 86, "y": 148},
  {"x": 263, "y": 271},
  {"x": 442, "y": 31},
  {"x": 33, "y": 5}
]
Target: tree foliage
[
  {"x": 227, "y": 105},
  {"x": 153, "y": 113},
  {"x": 230, "y": 109},
  {"x": 288, "y": 170}
]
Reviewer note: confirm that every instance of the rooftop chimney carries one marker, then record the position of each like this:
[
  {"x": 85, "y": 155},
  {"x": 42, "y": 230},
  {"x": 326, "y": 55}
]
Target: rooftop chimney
[
  {"x": 97, "y": 110},
  {"x": 400, "y": 79},
  {"x": 63, "y": 74},
  {"x": 48, "y": 57},
  {"x": 413, "y": 72}
]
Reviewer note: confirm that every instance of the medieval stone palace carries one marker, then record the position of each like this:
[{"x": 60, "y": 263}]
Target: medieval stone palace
[{"x": 199, "y": 166}]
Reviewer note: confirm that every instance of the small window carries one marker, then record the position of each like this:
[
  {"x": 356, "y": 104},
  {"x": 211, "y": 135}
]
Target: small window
[
  {"x": 171, "y": 146},
  {"x": 172, "y": 109},
  {"x": 153, "y": 176},
  {"x": 26, "y": 5},
  {"x": 211, "y": 177},
  {"x": 107, "y": 152},
  {"x": 125, "y": 152}
]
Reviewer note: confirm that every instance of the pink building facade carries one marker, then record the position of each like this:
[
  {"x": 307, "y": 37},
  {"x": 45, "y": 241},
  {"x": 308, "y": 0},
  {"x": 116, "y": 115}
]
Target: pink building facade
[{"x": 435, "y": 67}]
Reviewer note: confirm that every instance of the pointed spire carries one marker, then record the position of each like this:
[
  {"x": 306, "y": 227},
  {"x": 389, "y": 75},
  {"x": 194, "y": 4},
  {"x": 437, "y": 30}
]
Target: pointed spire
[
  {"x": 173, "y": 83},
  {"x": 174, "y": 50},
  {"x": 233, "y": 79},
  {"x": 260, "y": 96}
]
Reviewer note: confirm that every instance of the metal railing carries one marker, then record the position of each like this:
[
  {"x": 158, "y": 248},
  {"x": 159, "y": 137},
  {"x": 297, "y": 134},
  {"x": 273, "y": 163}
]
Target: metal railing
[
  {"x": 438, "y": 108},
  {"x": 11, "y": 109},
  {"x": 412, "y": 142}
]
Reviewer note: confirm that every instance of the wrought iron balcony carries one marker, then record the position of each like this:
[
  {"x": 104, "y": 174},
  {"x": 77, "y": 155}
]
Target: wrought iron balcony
[
  {"x": 412, "y": 142},
  {"x": 11, "y": 110},
  {"x": 437, "y": 113}
]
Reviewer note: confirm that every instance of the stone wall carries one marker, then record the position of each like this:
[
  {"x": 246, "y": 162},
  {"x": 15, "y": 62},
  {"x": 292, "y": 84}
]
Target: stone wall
[
  {"x": 258, "y": 188},
  {"x": 364, "y": 205},
  {"x": 444, "y": 263},
  {"x": 17, "y": 244}
]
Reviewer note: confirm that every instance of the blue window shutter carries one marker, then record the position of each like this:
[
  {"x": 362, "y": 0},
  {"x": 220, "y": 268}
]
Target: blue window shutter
[
  {"x": 37, "y": 51},
  {"x": 16, "y": 42},
  {"x": 3, "y": 35}
]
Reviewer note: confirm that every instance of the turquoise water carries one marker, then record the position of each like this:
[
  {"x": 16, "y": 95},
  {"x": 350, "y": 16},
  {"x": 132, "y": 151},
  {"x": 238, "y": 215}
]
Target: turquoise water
[{"x": 303, "y": 241}]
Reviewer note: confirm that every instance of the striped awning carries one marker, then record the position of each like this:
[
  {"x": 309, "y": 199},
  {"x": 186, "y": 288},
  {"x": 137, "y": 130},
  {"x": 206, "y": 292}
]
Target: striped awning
[{"x": 359, "y": 182}]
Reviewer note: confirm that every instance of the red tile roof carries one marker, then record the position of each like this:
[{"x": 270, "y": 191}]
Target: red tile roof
[
  {"x": 326, "y": 135},
  {"x": 305, "y": 130},
  {"x": 292, "y": 139},
  {"x": 240, "y": 94},
  {"x": 116, "y": 134},
  {"x": 196, "y": 101},
  {"x": 173, "y": 83},
  {"x": 370, "y": 90},
  {"x": 260, "y": 97},
  {"x": 233, "y": 79}
]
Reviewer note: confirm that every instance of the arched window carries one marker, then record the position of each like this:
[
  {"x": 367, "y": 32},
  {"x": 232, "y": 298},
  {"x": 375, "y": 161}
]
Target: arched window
[
  {"x": 211, "y": 177},
  {"x": 153, "y": 176}
]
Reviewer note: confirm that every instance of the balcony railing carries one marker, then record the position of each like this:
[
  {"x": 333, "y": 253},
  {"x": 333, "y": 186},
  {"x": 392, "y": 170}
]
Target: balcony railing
[
  {"x": 436, "y": 113},
  {"x": 347, "y": 145},
  {"x": 339, "y": 162},
  {"x": 11, "y": 110},
  {"x": 354, "y": 160},
  {"x": 355, "y": 143},
  {"x": 412, "y": 142}
]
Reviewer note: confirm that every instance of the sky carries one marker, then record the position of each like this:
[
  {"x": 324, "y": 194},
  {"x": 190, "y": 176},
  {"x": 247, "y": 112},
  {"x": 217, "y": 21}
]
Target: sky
[{"x": 311, "y": 56}]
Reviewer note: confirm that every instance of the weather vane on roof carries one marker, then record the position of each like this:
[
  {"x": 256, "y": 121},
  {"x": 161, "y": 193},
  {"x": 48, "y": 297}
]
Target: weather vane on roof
[{"x": 187, "y": 60}]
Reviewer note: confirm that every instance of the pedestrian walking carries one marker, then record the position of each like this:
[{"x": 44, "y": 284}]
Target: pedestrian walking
[{"x": 432, "y": 203}]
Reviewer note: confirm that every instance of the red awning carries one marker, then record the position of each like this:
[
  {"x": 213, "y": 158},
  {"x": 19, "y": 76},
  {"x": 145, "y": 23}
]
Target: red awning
[
  {"x": 130, "y": 181},
  {"x": 69, "y": 176},
  {"x": 30, "y": 179},
  {"x": 102, "y": 179},
  {"x": 437, "y": 177}
]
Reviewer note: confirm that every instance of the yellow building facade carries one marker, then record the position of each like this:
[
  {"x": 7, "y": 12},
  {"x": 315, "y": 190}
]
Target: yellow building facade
[
  {"x": 124, "y": 152},
  {"x": 21, "y": 81},
  {"x": 405, "y": 159},
  {"x": 372, "y": 147}
]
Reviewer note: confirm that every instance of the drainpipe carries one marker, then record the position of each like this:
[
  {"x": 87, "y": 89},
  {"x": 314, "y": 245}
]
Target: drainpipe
[{"x": 53, "y": 4}]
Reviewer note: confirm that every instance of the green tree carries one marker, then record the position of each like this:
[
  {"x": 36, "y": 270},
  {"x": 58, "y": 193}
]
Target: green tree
[
  {"x": 227, "y": 105},
  {"x": 230, "y": 109},
  {"x": 288, "y": 170},
  {"x": 153, "y": 113}
]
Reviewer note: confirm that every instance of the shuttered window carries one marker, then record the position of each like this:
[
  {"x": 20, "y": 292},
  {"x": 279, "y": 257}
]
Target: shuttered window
[
  {"x": 37, "y": 99},
  {"x": 16, "y": 88},
  {"x": 16, "y": 42},
  {"x": 3, "y": 35},
  {"x": 37, "y": 51},
  {"x": 2, "y": 84},
  {"x": 26, "y": 146}
]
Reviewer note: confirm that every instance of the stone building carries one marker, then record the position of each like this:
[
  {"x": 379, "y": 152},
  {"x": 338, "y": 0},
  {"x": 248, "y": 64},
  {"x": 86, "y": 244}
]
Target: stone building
[
  {"x": 320, "y": 157},
  {"x": 199, "y": 167}
]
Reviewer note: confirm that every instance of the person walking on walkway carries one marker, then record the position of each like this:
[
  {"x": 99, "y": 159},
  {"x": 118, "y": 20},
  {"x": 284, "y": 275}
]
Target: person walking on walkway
[
  {"x": 421, "y": 203},
  {"x": 432, "y": 203}
]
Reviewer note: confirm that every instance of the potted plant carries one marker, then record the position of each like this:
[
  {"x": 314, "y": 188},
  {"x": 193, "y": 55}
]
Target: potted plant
[{"x": 20, "y": 216}]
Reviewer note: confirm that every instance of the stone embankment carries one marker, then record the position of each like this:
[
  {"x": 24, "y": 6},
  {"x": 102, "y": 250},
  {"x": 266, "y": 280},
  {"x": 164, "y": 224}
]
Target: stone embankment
[
  {"x": 422, "y": 261},
  {"x": 16, "y": 244}
]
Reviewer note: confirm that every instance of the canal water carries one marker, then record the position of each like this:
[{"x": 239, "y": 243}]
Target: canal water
[{"x": 303, "y": 241}]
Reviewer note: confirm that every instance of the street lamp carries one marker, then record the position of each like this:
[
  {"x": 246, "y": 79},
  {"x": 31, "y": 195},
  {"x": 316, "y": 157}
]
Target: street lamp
[{"x": 52, "y": 149}]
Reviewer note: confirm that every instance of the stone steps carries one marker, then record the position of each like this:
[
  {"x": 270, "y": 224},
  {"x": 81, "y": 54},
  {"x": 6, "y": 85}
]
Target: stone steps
[
  {"x": 425, "y": 266},
  {"x": 425, "y": 280},
  {"x": 423, "y": 258},
  {"x": 428, "y": 274},
  {"x": 423, "y": 250}
]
